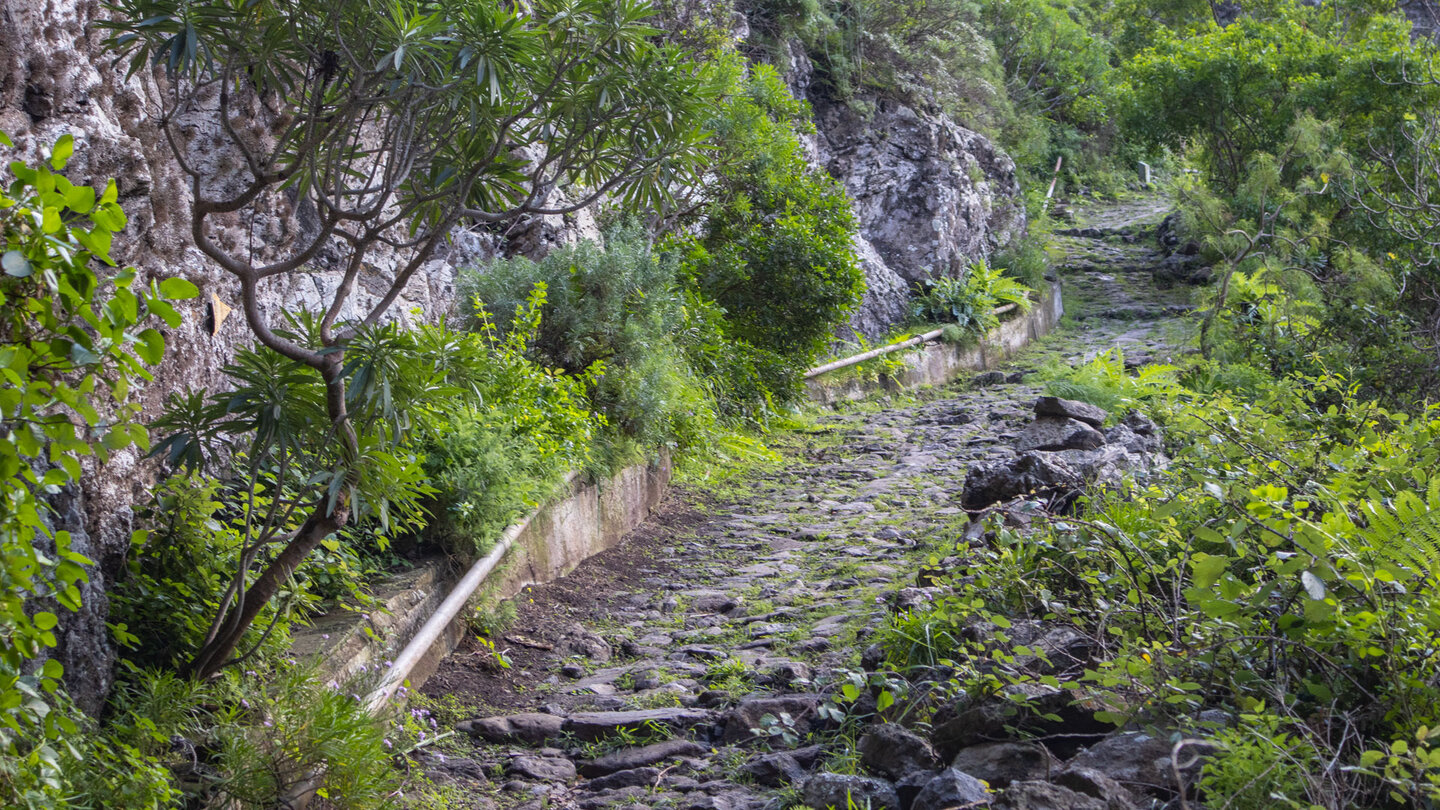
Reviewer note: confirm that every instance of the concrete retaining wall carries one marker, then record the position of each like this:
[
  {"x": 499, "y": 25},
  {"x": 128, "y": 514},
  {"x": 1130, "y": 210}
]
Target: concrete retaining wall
[
  {"x": 561, "y": 535},
  {"x": 938, "y": 363}
]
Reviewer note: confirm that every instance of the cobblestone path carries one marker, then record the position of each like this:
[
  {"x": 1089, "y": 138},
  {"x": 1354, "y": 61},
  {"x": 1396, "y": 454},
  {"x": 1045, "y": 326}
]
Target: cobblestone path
[{"x": 641, "y": 679}]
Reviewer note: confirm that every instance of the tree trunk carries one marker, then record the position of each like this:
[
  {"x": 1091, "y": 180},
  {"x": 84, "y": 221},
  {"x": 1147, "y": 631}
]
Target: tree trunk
[{"x": 322, "y": 523}]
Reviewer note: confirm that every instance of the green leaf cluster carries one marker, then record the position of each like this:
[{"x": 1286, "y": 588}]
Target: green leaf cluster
[
  {"x": 618, "y": 313},
  {"x": 776, "y": 250},
  {"x": 74, "y": 337},
  {"x": 1283, "y": 570},
  {"x": 970, "y": 301}
]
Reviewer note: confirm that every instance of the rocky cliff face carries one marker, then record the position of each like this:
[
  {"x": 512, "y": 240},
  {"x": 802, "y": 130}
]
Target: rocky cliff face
[
  {"x": 930, "y": 196},
  {"x": 1424, "y": 15}
]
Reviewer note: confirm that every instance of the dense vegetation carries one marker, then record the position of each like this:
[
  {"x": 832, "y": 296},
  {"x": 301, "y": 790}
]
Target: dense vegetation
[
  {"x": 1274, "y": 592},
  {"x": 1283, "y": 570}
]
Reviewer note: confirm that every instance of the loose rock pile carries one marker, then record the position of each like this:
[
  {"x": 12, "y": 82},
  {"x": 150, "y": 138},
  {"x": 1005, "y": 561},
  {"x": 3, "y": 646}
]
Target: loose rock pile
[{"x": 1063, "y": 451}]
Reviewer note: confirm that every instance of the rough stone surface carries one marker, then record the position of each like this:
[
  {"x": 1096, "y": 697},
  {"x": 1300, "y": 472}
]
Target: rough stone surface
[
  {"x": 533, "y": 728},
  {"x": 775, "y": 769},
  {"x": 911, "y": 784},
  {"x": 827, "y": 790},
  {"x": 949, "y": 789},
  {"x": 1140, "y": 762},
  {"x": 1000, "y": 763},
  {"x": 975, "y": 721},
  {"x": 597, "y": 725},
  {"x": 1071, "y": 409},
  {"x": 579, "y": 641},
  {"x": 541, "y": 769},
  {"x": 1034, "y": 474},
  {"x": 630, "y": 758},
  {"x": 1058, "y": 433},
  {"x": 1096, "y": 784},
  {"x": 1045, "y": 796},
  {"x": 748, "y": 714},
  {"x": 893, "y": 751},
  {"x": 930, "y": 197},
  {"x": 636, "y": 777}
]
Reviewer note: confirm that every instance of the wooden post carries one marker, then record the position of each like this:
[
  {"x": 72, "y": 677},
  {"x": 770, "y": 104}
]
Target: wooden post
[{"x": 1046, "y": 205}]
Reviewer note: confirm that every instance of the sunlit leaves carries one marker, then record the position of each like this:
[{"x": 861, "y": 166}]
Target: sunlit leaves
[{"x": 72, "y": 344}]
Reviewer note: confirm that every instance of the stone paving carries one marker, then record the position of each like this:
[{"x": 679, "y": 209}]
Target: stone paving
[{"x": 696, "y": 680}]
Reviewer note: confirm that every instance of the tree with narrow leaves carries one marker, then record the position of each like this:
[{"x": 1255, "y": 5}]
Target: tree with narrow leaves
[{"x": 387, "y": 124}]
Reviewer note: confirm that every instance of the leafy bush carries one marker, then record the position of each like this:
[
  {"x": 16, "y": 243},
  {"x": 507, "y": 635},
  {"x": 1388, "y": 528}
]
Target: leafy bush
[
  {"x": 1024, "y": 260},
  {"x": 1282, "y": 570},
  {"x": 299, "y": 736},
  {"x": 1105, "y": 382},
  {"x": 776, "y": 249},
  {"x": 72, "y": 342},
  {"x": 970, "y": 301},
  {"x": 1236, "y": 91},
  {"x": 506, "y": 444},
  {"x": 618, "y": 311},
  {"x": 177, "y": 572}
]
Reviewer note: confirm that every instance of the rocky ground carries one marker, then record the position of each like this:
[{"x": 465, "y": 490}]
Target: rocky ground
[{"x": 705, "y": 662}]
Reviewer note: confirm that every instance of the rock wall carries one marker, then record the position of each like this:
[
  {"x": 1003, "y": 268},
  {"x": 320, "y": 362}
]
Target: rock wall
[
  {"x": 56, "y": 78},
  {"x": 1424, "y": 15},
  {"x": 930, "y": 197}
]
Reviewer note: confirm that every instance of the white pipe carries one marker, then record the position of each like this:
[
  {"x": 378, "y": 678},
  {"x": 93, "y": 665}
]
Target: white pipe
[
  {"x": 1045, "y": 205},
  {"x": 429, "y": 632},
  {"x": 863, "y": 356},
  {"x": 884, "y": 350}
]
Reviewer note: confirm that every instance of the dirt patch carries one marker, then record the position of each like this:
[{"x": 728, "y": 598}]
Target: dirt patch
[{"x": 545, "y": 612}]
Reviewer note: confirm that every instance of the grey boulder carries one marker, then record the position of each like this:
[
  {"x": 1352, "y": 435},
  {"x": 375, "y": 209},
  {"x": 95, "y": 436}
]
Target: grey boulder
[
  {"x": 1036, "y": 795},
  {"x": 1058, "y": 433},
  {"x": 1092, "y": 415},
  {"x": 841, "y": 791},
  {"x": 950, "y": 789},
  {"x": 893, "y": 751},
  {"x": 541, "y": 769},
  {"x": 1000, "y": 763}
]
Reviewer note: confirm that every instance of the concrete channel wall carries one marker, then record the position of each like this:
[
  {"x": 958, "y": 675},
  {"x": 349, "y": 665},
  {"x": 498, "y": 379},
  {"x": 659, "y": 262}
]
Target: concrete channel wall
[
  {"x": 357, "y": 646},
  {"x": 938, "y": 363}
]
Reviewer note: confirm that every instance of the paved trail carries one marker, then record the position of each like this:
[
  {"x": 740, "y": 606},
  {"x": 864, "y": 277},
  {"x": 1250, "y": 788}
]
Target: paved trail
[{"x": 729, "y": 607}]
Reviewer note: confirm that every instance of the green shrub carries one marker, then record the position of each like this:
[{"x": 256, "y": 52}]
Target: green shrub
[
  {"x": 515, "y": 429},
  {"x": 617, "y": 310},
  {"x": 178, "y": 570},
  {"x": 970, "y": 301},
  {"x": 1105, "y": 382},
  {"x": 1282, "y": 569},
  {"x": 1236, "y": 91},
  {"x": 776, "y": 249},
  {"x": 744, "y": 381},
  {"x": 1025, "y": 260},
  {"x": 74, "y": 338},
  {"x": 303, "y": 735},
  {"x": 1263, "y": 765}
]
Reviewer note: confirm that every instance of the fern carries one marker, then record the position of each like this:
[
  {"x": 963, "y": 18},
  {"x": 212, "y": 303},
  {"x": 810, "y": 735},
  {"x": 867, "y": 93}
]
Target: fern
[
  {"x": 971, "y": 301},
  {"x": 1104, "y": 382},
  {"x": 1406, "y": 531}
]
